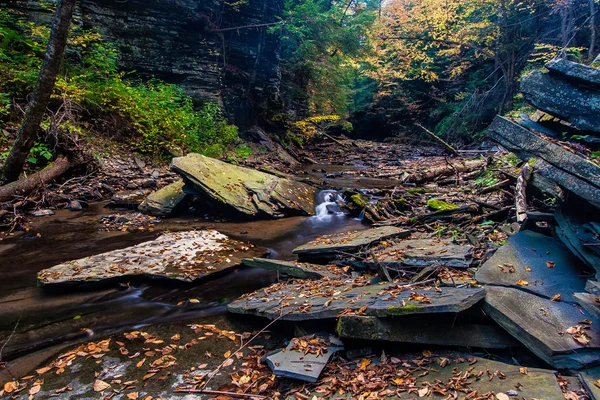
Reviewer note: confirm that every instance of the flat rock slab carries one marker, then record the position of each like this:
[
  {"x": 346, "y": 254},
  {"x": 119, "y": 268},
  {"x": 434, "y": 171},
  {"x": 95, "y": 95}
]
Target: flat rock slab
[
  {"x": 590, "y": 378},
  {"x": 295, "y": 269},
  {"x": 329, "y": 247},
  {"x": 425, "y": 252},
  {"x": 296, "y": 364},
  {"x": 244, "y": 191},
  {"x": 590, "y": 302},
  {"x": 580, "y": 233},
  {"x": 525, "y": 261},
  {"x": 592, "y": 287},
  {"x": 577, "y": 104},
  {"x": 419, "y": 330},
  {"x": 165, "y": 201},
  {"x": 541, "y": 325},
  {"x": 180, "y": 256},
  {"x": 449, "y": 373},
  {"x": 327, "y": 298},
  {"x": 575, "y": 72}
]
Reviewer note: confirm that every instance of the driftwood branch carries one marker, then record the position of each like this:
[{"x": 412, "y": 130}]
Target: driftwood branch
[
  {"x": 521, "y": 193},
  {"x": 219, "y": 393},
  {"x": 439, "y": 140}
]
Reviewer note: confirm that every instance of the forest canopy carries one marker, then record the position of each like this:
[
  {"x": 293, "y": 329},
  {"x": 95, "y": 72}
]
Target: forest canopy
[{"x": 451, "y": 63}]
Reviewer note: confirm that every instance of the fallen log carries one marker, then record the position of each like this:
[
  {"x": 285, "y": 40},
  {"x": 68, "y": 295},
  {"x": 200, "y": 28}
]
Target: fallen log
[
  {"x": 446, "y": 170},
  {"x": 25, "y": 186},
  {"x": 568, "y": 170}
]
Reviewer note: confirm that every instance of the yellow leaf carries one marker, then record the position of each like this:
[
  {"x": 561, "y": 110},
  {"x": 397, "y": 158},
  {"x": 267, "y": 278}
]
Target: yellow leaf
[
  {"x": 132, "y": 395},
  {"x": 139, "y": 364},
  {"x": 43, "y": 370},
  {"x": 244, "y": 379},
  {"x": 227, "y": 354},
  {"x": 522, "y": 283},
  {"x": 364, "y": 363}
]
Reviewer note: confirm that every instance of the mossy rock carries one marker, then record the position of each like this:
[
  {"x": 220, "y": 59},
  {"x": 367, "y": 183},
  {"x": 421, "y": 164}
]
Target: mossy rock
[{"x": 440, "y": 205}]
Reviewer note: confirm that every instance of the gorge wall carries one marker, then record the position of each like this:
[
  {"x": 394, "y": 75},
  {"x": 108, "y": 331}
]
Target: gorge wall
[{"x": 209, "y": 47}]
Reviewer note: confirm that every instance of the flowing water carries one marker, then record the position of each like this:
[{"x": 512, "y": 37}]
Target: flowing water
[{"x": 47, "y": 317}]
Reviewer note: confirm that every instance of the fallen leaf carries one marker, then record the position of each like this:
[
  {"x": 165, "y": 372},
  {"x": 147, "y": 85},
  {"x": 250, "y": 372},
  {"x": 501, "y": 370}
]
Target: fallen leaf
[
  {"x": 139, "y": 364},
  {"x": 43, "y": 370},
  {"x": 522, "y": 282},
  {"x": 556, "y": 297},
  {"x": 364, "y": 363},
  {"x": 100, "y": 386},
  {"x": 227, "y": 354},
  {"x": 10, "y": 387},
  {"x": 132, "y": 395},
  {"x": 550, "y": 264},
  {"x": 34, "y": 390},
  {"x": 502, "y": 396}
]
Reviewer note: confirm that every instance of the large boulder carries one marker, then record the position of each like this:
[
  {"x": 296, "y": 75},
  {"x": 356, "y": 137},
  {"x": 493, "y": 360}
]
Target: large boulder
[
  {"x": 578, "y": 105},
  {"x": 242, "y": 191},
  {"x": 165, "y": 201},
  {"x": 179, "y": 256}
]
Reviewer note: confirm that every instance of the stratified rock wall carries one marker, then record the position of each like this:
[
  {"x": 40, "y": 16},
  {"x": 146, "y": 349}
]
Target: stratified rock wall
[{"x": 188, "y": 42}]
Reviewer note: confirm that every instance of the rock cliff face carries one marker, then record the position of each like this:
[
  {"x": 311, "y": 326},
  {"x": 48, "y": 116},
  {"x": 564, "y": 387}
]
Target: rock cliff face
[{"x": 192, "y": 43}]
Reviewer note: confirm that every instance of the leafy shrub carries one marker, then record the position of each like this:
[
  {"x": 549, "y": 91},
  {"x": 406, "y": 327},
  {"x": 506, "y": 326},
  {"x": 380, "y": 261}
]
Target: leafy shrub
[{"x": 163, "y": 117}]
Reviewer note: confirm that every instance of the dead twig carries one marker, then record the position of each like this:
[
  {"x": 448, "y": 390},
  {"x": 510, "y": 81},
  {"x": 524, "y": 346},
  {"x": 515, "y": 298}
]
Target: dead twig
[{"x": 217, "y": 392}]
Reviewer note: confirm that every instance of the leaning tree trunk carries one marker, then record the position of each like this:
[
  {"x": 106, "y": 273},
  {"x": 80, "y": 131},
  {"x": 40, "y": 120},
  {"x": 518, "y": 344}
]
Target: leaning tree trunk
[
  {"x": 592, "y": 28},
  {"x": 41, "y": 94}
]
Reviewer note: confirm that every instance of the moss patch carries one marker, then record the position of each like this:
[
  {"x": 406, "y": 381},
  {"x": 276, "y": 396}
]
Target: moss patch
[
  {"x": 439, "y": 205},
  {"x": 418, "y": 191},
  {"x": 407, "y": 309},
  {"x": 358, "y": 200}
]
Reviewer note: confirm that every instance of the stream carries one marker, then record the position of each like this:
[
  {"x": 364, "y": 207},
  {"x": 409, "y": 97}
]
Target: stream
[{"x": 45, "y": 318}]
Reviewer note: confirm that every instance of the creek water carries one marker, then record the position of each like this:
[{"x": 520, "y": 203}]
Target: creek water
[{"x": 45, "y": 317}]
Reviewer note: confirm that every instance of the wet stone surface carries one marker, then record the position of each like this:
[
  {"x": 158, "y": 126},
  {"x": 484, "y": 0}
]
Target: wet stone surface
[
  {"x": 295, "y": 269},
  {"x": 327, "y": 298},
  {"x": 560, "y": 333},
  {"x": 425, "y": 252},
  {"x": 180, "y": 256},
  {"x": 535, "y": 263},
  {"x": 330, "y": 247}
]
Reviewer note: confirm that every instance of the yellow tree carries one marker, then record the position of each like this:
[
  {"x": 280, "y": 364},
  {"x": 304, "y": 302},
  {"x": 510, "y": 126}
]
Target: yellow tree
[{"x": 435, "y": 39}]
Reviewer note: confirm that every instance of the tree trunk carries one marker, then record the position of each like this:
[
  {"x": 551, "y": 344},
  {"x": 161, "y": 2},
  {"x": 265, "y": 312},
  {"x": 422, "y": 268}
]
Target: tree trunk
[
  {"x": 41, "y": 94},
  {"x": 592, "y": 29}
]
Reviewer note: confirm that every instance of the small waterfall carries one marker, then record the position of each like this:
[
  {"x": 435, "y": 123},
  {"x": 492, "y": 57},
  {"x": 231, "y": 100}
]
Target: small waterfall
[{"x": 325, "y": 198}]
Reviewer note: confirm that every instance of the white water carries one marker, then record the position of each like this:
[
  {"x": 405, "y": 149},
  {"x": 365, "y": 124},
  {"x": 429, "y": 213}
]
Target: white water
[{"x": 327, "y": 198}]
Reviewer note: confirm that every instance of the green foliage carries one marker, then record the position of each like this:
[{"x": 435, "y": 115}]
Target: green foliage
[
  {"x": 40, "y": 153},
  {"x": 163, "y": 118},
  {"x": 321, "y": 42}
]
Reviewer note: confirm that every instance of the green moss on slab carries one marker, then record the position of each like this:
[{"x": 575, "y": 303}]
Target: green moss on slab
[
  {"x": 407, "y": 309},
  {"x": 418, "y": 191},
  {"x": 440, "y": 205}
]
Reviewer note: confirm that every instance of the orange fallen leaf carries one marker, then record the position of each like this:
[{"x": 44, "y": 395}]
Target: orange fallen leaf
[{"x": 100, "y": 385}]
